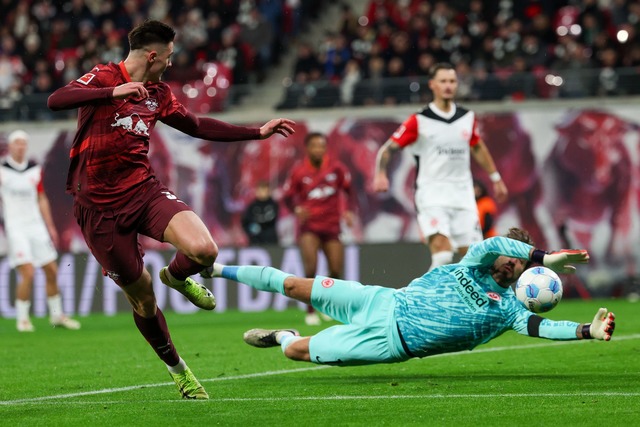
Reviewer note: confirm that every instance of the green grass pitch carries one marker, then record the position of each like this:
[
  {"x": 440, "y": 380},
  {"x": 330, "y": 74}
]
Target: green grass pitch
[{"x": 106, "y": 374}]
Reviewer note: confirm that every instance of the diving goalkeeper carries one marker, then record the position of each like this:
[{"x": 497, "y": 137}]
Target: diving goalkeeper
[{"x": 451, "y": 308}]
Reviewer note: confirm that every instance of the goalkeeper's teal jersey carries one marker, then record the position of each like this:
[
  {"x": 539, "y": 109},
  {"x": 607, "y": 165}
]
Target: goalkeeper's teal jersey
[{"x": 459, "y": 306}]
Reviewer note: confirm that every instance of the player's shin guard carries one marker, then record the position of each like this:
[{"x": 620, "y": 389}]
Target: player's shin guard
[{"x": 267, "y": 279}]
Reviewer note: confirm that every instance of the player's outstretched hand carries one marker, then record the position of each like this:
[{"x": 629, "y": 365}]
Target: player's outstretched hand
[
  {"x": 603, "y": 325},
  {"x": 560, "y": 261},
  {"x": 283, "y": 127}
]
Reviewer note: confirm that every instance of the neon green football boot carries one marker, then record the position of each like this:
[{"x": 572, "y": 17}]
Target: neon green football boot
[
  {"x": 198, "y": 294},
  {"x": 189, "y": 386}
]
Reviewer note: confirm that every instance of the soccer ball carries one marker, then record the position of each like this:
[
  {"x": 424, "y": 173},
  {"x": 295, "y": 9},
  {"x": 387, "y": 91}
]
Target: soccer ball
[{"x": 539, "y": 289}]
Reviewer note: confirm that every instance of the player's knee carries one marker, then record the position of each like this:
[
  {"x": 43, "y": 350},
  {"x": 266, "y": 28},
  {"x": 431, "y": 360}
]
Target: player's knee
[
  {"x": 204, "y": 251},
  {"x": 27, "y": 272}
]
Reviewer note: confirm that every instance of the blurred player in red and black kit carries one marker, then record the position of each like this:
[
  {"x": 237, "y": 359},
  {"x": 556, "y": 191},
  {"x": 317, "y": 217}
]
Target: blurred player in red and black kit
[
  {"x": 314, "y": 193},
  {"x": 117, "y": 195}
]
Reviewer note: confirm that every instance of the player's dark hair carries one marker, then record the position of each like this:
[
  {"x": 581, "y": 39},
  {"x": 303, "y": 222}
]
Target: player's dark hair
[
  {"x": 312, "y": 135},
  {"x": 521, "y": 235},
  {"x": 439, "y": 66},
  {"x": 150, "y": 32}
]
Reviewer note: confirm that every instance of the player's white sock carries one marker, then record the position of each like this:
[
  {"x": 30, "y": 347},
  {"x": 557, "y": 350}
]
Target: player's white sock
[
  {"x": 179, "y": 368},
  {"x": 172, "y": 279},
  {"x": 22, "y": 309},
  {"x": 286, "y": 338},
  {"x": 441, "y": 258},
  {"x": 55, "y": 307}
]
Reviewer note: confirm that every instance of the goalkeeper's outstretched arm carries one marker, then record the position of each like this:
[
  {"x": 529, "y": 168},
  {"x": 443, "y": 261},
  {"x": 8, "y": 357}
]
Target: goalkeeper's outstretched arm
[{"x": 601, "y": 328}]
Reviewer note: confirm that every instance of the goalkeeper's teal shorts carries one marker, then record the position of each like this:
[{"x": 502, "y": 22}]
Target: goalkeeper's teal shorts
[{"x": 369, "y": 333}]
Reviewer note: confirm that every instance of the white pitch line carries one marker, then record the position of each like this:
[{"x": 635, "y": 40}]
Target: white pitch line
[
  {"x": 339, "y": 398},
  {"x": 42, "y": 399}
]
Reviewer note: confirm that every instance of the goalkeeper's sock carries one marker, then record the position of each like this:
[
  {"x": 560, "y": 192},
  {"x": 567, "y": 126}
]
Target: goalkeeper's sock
[
  {"x": 261, "y": 278},
  {"x": 441, "y": 258},
  {"x": 286, "y": 338}
]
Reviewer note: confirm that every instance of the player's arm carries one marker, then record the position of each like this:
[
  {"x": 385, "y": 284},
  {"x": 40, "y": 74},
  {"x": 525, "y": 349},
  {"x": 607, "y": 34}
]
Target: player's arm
[
  {"x": 406, "y": 134},
  {"x": 217, "y": 130},
  {"x": 601, "y": 328},
  {"x": 72, "y": 96},
  {"x": 483, "y": 157}
]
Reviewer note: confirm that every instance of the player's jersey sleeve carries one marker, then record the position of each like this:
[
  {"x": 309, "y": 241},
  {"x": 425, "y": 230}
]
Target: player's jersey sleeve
[
  {"x": 96, "y": 85},
  {"x": 407, "y": 133},
  {"x": 173, "y": 106},
  {"x": 475, "y": 136},
  {"x": 486, "y": 252}
]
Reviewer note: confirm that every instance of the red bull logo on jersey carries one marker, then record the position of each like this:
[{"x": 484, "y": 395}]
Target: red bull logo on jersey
[
  {"x": 470, "y": 294},
  {"x": 127, "y": 123}
]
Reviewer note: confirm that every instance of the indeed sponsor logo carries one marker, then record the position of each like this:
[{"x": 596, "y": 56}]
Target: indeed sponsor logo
[{"x": 468, "y": 292}]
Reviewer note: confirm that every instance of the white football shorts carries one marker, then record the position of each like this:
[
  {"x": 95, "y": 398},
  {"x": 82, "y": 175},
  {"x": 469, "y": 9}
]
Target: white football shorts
[
  {"x": 461, "y": 226},
  {"x": 30, "y": 245}
]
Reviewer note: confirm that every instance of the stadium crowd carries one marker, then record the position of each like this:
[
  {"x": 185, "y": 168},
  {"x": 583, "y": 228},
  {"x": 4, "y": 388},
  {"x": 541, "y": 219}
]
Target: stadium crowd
[
  {"x": 380, "y": 55},
  {"x": 44, "y": 44},
  {"x": 501, "y": 49}
]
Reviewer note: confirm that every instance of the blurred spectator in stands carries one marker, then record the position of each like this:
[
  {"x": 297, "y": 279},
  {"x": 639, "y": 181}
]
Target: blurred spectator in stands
[
  {"x": 534, "y": 53},
  {"x": 521, "y": 83},
  {"x": 396, "y": 87},
  {"x": 193, "y": 32},
  {"x": 486, "y": 86},
  {"x": 334, "y": 55},
  {"x": 232, "y": 56},
  {"x": 571, "y": 64},
  {"x": 348, "y": 25},
  {"x": 11, "y": 69},
  {"x": 350, "y": 79},
  {"x": 465, "y": 80},
  {"x": 307, "y": 67},
  {"x": 371, "y": 90},
  {"x": 608, "y": 76},
  {"x": 258, "y": 33},
  {"x": 113, "y": 50},
  {"x": 361, "y": 45}
]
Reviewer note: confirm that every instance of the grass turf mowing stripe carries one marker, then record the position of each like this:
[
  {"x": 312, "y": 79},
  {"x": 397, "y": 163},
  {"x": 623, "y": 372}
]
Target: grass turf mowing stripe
[{"x": 289, "y": 371}]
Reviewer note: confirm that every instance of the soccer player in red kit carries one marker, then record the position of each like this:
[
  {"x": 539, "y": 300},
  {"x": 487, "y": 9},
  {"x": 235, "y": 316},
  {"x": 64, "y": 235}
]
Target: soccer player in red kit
[
  {"x": 116, "y": 194},
  {"x": 314, "y": 193}
]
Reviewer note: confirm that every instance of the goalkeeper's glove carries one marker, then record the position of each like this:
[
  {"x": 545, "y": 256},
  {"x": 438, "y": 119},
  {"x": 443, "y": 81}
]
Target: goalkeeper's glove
[
  {"x": 602, "y": 326},
  {"x": 561, "y": 261}
]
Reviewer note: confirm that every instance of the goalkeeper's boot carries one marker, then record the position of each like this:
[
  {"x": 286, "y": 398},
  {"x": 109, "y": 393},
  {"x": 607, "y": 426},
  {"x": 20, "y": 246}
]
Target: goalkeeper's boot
[
  {"x": 264, "y": 338},
  {"x": 198, "y": 294},
  {"x": 189, "y": 386},
  {"x": 65, "y": 322}
]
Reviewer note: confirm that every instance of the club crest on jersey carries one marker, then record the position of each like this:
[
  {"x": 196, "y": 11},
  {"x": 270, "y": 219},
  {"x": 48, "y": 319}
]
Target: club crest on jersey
[
  {"x": 151, "y": 104},
  {"x": 327, "y": 283},
  {"x": 126, "y": 123},
  {"x": 86, "y": 78},
  {"x": 494, "y": 296}
]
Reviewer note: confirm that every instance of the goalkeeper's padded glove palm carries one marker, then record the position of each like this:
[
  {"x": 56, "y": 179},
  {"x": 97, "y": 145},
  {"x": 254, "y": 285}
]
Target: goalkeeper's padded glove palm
[
  {"x": 603, "y": 325},
  {"x": 561, "y": 261}
]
